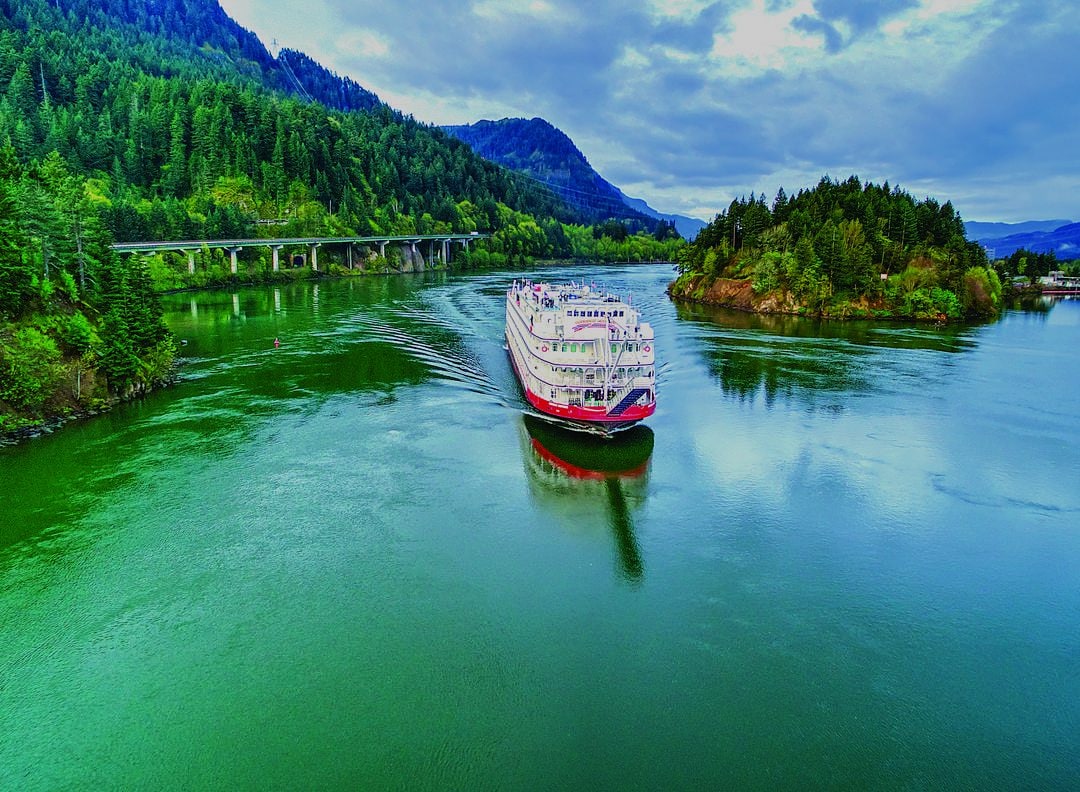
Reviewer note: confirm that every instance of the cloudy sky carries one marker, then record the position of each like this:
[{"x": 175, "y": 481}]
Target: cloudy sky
[{"x": 688, "y": 104}]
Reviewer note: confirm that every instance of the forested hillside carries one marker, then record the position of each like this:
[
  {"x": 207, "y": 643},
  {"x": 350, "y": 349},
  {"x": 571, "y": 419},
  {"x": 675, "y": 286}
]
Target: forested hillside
[
  {"x": 79, "y": 326},
  {"x": 843, "y": 249},
  {"x": 193, "y": 130}
]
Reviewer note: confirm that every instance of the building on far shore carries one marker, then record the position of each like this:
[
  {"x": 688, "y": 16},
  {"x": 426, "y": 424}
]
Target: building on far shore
[{"x": 1059, "y": 280}]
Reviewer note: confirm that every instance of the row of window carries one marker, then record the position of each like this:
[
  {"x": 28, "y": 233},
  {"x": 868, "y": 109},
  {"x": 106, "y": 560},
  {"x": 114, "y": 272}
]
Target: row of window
[
  {"x": 621, "y": 373},
  {"x": 573, "y": 312},
  {"x": 587, "y": 346}
]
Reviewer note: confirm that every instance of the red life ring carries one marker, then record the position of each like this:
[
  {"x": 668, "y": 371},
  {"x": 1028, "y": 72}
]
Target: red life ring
[
  {"x": 648, "y": 349},
  {"x": 543, "y": 348}
]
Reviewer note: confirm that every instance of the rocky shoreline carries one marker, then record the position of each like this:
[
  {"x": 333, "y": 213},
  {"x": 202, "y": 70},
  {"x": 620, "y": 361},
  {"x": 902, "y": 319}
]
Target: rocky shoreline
[
  {"x": 739, "y": 295},
  {"x": 51, "y": 423}
]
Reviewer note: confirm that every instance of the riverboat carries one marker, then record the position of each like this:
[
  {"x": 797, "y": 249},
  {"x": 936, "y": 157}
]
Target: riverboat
[{"x": 582, "y": 355}]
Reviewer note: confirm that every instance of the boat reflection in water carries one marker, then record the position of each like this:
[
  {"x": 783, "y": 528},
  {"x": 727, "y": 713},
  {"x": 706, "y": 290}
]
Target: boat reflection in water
[{"x": 577, "y": 472}]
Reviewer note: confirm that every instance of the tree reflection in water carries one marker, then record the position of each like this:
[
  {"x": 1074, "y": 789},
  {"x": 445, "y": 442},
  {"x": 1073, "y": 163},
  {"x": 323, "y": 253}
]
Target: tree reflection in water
[{"x": 803, "y": 359}]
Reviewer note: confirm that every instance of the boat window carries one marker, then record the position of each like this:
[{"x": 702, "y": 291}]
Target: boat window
[
  {"x": 573, "y": 347},
  {"x": 614, "y": 349}
]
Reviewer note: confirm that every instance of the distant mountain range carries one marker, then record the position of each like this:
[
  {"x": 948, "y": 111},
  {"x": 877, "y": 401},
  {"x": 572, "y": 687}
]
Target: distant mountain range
[
  {"x": 1062, "y": 237},
  {"x": 546, "y": 154},
  {"x": 688, "y": 227}
]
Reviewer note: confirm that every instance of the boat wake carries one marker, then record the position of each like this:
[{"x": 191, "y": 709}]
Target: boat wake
[{"x": 437, "y": 345}]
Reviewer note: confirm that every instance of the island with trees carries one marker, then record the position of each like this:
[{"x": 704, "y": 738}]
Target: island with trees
[{"x": 842, "y": 249}]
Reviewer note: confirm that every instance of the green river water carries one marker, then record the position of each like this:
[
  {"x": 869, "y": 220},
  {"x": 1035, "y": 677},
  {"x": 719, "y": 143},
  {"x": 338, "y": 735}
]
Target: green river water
[{"x": 840, "y": 555}]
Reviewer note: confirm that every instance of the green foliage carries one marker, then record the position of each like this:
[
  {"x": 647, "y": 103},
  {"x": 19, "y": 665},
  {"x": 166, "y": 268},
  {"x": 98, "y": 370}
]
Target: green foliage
[
  {"x": 1027, "y": 264},
  {"x": 982, "y": 292},
  {"x": 770, "y": 272},
  {"x": 77, "y": 333},
  {"x": 156, "y": 363},
  {"x": 117, "y": 351},
  {"x": 29, "y": 369},
  {"x": 57, "y": 278},
  {"x": 163, "y": 276}
]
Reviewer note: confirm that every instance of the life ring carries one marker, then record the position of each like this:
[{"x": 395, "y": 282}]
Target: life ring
[
  {"x": 648, "y": 349},
  {"x": 543, "y": 348}
]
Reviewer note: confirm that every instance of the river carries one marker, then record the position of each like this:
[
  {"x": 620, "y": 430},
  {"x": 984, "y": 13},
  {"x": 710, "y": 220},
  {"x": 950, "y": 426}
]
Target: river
[{"x": 838, "y": 555}]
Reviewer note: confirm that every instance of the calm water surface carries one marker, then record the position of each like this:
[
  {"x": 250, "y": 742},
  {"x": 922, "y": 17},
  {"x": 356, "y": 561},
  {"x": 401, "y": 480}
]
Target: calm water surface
[{"x": 839, "y": 555}]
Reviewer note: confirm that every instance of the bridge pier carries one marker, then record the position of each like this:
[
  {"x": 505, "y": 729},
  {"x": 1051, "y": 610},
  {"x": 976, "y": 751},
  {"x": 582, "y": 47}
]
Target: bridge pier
[
  {"x": 419, "y": 254},
  {"x": 410, "y": 246}
]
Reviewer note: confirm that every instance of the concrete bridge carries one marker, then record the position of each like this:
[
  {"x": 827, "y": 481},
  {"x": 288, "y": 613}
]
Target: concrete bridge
[{"x": 311, "y": 244}]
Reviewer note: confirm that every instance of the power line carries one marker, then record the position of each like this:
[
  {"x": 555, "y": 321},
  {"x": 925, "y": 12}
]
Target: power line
[
  {"x": 587, "y": 200},
  {"x": 285, "y": 62}
]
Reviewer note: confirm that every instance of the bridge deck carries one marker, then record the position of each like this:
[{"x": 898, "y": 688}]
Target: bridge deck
[{"x": 198, "y": 244}]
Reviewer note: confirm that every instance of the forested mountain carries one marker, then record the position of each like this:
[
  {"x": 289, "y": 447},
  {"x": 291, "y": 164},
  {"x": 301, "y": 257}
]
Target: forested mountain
[
  {"x": 193, "y": 129},
  {"x": 180, "y": 38},
  {"x": 842, "y": 249},
  {"x": 545, "y": 153}
]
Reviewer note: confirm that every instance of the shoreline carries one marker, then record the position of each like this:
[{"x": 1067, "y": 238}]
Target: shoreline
[{"x": 738, "y": 295}]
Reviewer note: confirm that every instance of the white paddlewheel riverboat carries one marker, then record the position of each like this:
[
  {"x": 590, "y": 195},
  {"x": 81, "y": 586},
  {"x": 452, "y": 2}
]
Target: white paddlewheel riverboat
[{"x": 582, "y": 355}]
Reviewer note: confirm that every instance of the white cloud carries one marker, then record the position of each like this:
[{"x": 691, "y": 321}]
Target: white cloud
[
  {"x": 366, "y": 43},
  {"x": 498, "y": 10},
  {"x": 762, "y": 38}
]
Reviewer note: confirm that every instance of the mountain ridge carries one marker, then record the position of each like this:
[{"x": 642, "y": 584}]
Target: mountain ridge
[
  {"x": 545, "y": 153},
  {"x": 1060, "y": 237}
]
